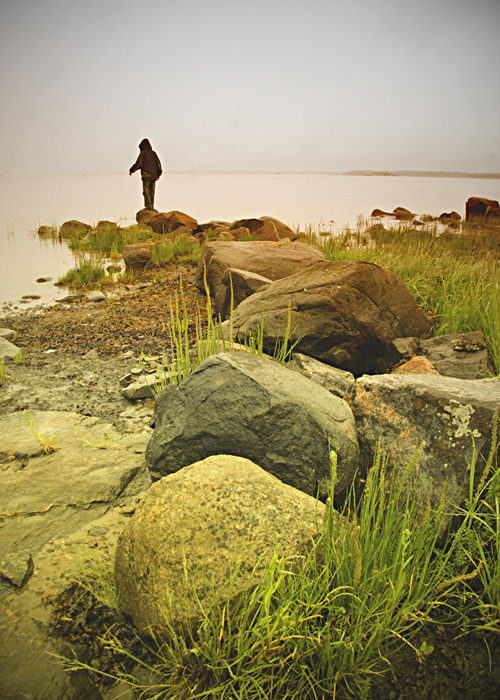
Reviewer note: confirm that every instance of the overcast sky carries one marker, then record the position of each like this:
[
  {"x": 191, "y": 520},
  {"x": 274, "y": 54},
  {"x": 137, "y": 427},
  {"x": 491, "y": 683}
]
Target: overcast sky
[{"x": 272, "y": 85}]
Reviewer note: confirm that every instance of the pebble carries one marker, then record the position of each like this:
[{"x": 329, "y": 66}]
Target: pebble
[{"x": 98, "y": 531}]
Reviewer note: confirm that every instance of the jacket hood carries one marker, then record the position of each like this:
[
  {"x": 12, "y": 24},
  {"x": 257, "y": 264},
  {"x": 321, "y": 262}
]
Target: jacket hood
[{"x": 144, "y": 144}]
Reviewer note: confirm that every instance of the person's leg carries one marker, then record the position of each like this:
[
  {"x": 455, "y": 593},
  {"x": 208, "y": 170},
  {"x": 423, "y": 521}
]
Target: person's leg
[
  {"x": 152, "y": 186},
  {"x": 146, "y": 191}
]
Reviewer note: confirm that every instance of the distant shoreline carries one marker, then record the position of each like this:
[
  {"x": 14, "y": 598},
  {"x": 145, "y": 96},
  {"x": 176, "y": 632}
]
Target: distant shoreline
[
  {"x": 424, "y": 173},
  {"x": 372, "y": 173}
]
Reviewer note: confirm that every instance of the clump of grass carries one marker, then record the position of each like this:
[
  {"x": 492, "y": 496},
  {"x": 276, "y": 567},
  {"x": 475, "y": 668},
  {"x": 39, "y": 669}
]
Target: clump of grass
[
  {"x": 107, "y": 240},
  {"x": 209, "y": 340},
  {"x": 168, "y": 249},
  {"x": 87, "y": 274},
  {"x": 47, "y": 443},
  {"x": 3, "y": 371}
]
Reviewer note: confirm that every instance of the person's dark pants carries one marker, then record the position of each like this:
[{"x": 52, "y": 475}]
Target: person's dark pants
[{"x": 148, "y": 190}]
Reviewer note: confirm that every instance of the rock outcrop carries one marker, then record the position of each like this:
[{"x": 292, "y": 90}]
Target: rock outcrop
[
  {"x": 344, "y": 313},
  {"x": 38, "y": 493},
  {"x": 195, "y": 527},
  {"x": 452, "y": 416},
  {"x": 249, "y": 406}
]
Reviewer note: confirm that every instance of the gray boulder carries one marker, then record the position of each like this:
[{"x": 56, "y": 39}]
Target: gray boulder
[
  {"x": 269, "y": 259},
  {"x": 249, "y": 406},
  {"x": 452, "y": 416},
  {"x": 199, "y": 524},
  {"x": 244, "y": 284},
  {"x": 344, "y": 313}
]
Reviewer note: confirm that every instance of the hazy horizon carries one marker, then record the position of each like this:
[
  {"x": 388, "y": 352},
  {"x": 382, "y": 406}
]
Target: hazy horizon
[{"x": 299, "y": 86}]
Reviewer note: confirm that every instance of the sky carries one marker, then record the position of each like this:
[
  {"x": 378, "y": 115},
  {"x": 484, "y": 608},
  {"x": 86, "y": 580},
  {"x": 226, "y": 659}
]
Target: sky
[{"x": 250, "y": 85}]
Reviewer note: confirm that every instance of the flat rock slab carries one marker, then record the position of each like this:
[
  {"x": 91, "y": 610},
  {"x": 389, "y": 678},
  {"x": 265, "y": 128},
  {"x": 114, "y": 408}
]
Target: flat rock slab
[{"x": 44, "y": 495}]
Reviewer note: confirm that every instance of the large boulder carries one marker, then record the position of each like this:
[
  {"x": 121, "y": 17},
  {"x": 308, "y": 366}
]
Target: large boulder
[
  {"x": 344, "y": 313},
  {"x": 243, "y": 285},
  {"x": 479, "y": 207},
  {"x": 453, "y": 417},
  {"x": 269, "y": 259},
  {"x": 192, "y": 530},
  {"x": 241, "y": 404}
]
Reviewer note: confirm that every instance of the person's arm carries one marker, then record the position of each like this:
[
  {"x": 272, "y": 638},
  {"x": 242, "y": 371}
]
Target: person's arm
[
  {"x": 136, "y": 165},
  {"x": 159, "y": 167}
]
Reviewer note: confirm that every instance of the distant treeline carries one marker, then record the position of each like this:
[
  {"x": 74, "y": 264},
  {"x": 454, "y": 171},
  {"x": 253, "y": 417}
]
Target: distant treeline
[{"x": 425, "y": 173}]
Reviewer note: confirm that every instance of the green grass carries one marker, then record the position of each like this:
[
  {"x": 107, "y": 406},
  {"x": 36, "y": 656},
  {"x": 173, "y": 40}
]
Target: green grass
[
  {"x": 3, "y": 371},
  {"x": 334, "y": 619},
  {"x": 107, "y": 240},
  {"x": 88, "y": 273},
  {"x": 210, "y": 339}
]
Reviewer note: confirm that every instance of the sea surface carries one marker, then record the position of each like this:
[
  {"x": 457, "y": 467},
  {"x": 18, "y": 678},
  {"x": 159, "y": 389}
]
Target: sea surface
[{"x": 320, "y": 201}]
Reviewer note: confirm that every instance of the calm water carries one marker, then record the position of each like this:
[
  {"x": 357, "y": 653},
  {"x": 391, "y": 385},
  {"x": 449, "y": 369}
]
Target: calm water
[{"x": 316, "y": 200}]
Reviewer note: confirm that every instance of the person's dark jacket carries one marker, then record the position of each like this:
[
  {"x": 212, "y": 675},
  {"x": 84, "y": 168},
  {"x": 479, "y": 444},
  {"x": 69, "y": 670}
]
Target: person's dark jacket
[{"x": 148, "y": 162}]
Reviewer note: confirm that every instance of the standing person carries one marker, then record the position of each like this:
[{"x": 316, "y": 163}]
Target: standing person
[{"x": 149, "y": 165}]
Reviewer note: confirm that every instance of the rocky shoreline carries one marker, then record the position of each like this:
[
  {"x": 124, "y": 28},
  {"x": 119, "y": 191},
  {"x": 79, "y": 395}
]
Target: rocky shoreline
[{"x": 76, "y": 360}]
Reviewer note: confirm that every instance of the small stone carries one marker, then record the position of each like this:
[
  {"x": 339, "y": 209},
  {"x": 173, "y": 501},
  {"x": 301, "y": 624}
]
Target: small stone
[
  {"x": 7, "y": 333},
  {"x": 127, "y": 510},
  {"x": 98, "y": 531},
  {"x": 31, "y": 297},
  {"x": 41, "y": 280},
  {"x": 17, "y": 568},
  {"x": 96, "y": 296},
  {"x": 125, "y": 380}
]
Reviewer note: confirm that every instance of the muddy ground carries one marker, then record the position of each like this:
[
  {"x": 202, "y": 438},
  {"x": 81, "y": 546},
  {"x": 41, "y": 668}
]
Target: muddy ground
[{"x": 74, "y": 355}]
